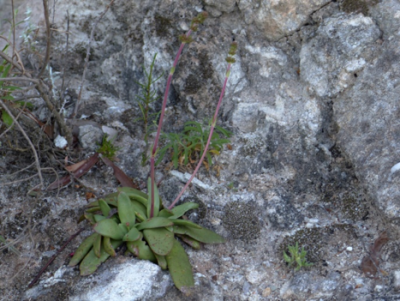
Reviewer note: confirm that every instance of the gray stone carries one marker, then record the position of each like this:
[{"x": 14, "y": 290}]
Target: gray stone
[
  {"x": 277, "y": 19},
  {"x": 132, "y": 280},
  {"x": 396, "y": 280},
  {"x": 349, "y": 40},
  {"x": 90, "y": 137}
]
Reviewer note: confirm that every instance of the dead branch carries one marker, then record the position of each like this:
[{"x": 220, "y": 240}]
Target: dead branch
[{"x": 87, "y": 58}]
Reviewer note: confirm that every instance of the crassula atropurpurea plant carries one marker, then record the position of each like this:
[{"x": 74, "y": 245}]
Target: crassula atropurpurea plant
[{"x": 140, "y": 220}]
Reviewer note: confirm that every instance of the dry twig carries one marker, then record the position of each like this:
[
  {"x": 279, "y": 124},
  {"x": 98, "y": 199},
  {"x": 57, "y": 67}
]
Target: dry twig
[
  {"x": 47, "y": 56},
  {"x": 53, "y": 257}
]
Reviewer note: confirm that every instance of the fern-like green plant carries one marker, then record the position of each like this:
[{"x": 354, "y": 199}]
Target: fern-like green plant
[
  {"x": 187, "y": 146},
  {"x": 147, "y": 96}
]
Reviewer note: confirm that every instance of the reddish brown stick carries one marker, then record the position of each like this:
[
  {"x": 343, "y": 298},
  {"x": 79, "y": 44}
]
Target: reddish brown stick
[{"x": 53, "y": 257}]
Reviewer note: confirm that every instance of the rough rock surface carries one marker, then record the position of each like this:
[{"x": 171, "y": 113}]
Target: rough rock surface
[{"x": 313, "y": 102}]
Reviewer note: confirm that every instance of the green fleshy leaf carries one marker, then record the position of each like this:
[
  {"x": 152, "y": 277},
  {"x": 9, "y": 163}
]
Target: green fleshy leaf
[
  {"x": 141, "y": 250},
  {"x": 182, "y": 209},
  {"x": 89, "y": 217},
  {"x": 165, "y": 213},
  {"x": 104, "y": 207},
  {"x": 108, "y": 247},
  {"x": 156, "y": 205},
  {"x": 110, "y": 228},
  {"x": 160, "y": 240},
  {"x": 155, "y": 222},
  {"x": 97, "y": 245},
  {"x": 183, "y": 222},
  {"x": 126, "y": 212},
  {"x": 83, "y": 249},
  {"x": 91, "y": 262},
  {"x": 140, "y": 210},
  {"x": 98, "y": 217},
  {"x": 202, "y": 235},
  {"x": 135, "y": 194},
  {"x": 180, "y": 268},
  {"x": 93, "y": 208},
  {"x": 132, "y": 235},
  {"x": 191, "y": 242},
  {"x": 161, "y": 261}
]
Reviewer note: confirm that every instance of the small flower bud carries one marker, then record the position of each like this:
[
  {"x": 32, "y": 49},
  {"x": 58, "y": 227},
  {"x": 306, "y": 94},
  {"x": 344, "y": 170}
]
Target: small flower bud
[
  {"x": 232, "y": 49},
  {"x": 202, "y": 17},
  {"x": 185, "y": 39},
  {"x": 194, "y": 27},
  {"x": 230, "y": 60}
]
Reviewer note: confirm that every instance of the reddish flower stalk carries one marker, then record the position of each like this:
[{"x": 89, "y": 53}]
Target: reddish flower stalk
[
  {"x": 230, "y": 60},
  {"x": 185, "y": 39}
]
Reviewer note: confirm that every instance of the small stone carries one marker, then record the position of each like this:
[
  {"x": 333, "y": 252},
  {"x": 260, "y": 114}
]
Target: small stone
[
  {"x": 349, "y": 249},
  {"x": 266, "y": 292},
  {"x": 90, "y": 136},
  {"x": 396, "y": 280},
  {"x": 60, "y": 142}
]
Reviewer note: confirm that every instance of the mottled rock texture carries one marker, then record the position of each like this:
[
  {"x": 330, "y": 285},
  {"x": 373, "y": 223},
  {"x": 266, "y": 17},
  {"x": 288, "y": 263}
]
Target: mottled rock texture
[{"x": 313, "y": 102}]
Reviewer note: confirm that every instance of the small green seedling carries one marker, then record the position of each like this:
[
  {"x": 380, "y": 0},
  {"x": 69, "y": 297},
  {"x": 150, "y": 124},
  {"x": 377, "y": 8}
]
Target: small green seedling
[
  {"x": 296, "y": 257},
  {"x": 107, "y": 148}
]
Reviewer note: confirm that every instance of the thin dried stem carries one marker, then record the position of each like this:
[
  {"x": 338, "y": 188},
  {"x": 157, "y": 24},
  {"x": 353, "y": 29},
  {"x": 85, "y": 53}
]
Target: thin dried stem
[
  {"x": 47, "y": 56},
  {"x": 65, "y": 59},
  {"x": 160, "y": 122},
  {"x": 20, "y": 67},
  {"x": 87, "y": 58},
  {"x": 26, "y": 79},
  {"x": 13, "y": 26},
  {"x": 27, "y": 139}
]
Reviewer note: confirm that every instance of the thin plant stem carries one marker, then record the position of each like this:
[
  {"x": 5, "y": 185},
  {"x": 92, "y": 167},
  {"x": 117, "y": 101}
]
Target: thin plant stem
[
  {"x": 54, "y": 257},
  {"x": 65, "y": 59},
  {"x": 160, "y": 122},
  {"x": 214, "y": 121}
]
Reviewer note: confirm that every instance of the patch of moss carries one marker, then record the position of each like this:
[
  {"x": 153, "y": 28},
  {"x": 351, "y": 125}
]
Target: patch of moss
[
  {"x": 311, "y": 239},
  {"x": 241, "y": 220},
  {"x": 192, "y": 84},
  {"x": 314, "y": 240},
  {"x": 354, "y": 208},
  {"x": 205, "y": 66},
  {"x": 357, "y": 6},
  {"x": 162, "y": 25}
]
